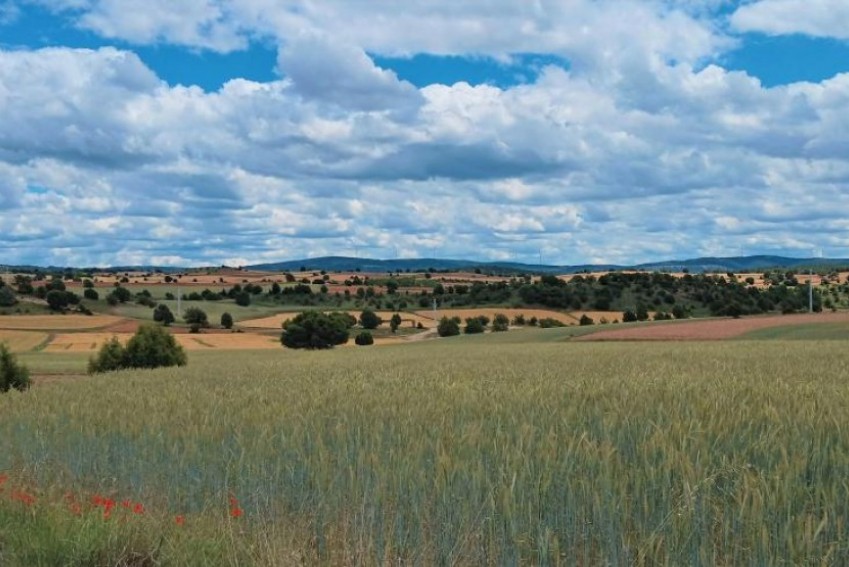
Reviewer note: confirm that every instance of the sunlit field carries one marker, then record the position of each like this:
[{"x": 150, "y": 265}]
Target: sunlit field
[{"x": 521, "y": 448}]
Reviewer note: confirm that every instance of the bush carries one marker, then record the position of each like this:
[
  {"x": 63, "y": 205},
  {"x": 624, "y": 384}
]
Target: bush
[
  {"x": 7, "y": 297},
  {"x": 370, "y": 320},
  {"x": 586, "y": 320},
  {"x": 474, "y": 326},
  {"x": 500, "y": 323},
  {"x": 91, "y": 294},
  {"x": 315, "y": 330},
  {"x": 226, "y": 320},
  {"x": 549, "y": 323},
  {"x": 12, "y": 374},
  {"x": 195, "y": 316},
  {"x": 364, "y": 339},
  {"x": 629, "y": 317},
  {"x": 150, "y": 347},
  {"x": 162, "y": 314},
  {"x": 243, "y": 299},
  {"x": 448, "y": 327},
  {"x": 395, "y": 322},
  {"x": 519, "y": 320}
]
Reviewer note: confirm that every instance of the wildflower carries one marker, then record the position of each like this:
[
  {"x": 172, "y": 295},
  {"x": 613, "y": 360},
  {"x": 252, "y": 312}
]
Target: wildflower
[
  {"x": 236, "y": 512},
  {"x": 180, "y": 520},
  {"x": 75, "y": 508},
  {"x": 126, "y": 504},
  {"x": 138, "y": 508}
]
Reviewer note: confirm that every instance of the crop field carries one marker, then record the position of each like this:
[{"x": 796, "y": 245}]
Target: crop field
[
  {"x": 91, "y": 342},
  {"x": 718, "y": 329},
  {"x": 22, "y": 341},
  {"x": 524, "y": 450},
  {"x": 56, "y": 322}
]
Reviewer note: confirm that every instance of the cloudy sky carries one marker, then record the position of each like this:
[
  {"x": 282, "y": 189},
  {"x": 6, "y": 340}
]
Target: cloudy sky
[{"x": 242, "y": 131}]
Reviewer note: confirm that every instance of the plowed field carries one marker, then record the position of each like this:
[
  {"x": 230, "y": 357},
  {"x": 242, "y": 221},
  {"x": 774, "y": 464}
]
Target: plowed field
[{"x": 709, "y": 329}]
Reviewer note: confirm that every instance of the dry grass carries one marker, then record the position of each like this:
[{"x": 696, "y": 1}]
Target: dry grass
[
  {"x": 57, "y": 322},
  {"x": 276, "y": 321},
  {"x": 91, "y": 342},
  {"x": 22, "y": 341}
]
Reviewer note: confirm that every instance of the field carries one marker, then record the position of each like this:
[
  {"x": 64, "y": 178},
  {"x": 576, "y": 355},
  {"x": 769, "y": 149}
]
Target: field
[
  {"x": 91, "y": 342},
  {"x": 463, "y": 314},
  {"x": 276, "y": 321},
  {"x": 56, "y": 322},
  {"x": 516, "y": 448},
  {"x": 717, "y": 329},
  {"x": 23, "y": 341}
]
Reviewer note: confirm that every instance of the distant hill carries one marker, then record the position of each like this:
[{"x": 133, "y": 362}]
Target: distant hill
[
  {"x": 734, "y": 264},
  {"x": 708, "y": 264}
]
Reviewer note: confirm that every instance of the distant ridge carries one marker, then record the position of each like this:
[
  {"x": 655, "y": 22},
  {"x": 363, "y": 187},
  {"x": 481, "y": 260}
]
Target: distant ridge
[
  {"x": 708, "y": 264},
  {"x": 343, "y": 263}
]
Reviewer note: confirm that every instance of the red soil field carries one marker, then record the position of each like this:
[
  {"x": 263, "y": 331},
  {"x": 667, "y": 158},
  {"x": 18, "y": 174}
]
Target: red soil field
[{"x": 710, "y": 329}]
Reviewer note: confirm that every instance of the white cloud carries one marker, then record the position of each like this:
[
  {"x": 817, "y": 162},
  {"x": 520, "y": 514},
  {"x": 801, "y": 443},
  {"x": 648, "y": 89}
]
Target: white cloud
[{"x": 818, "y": 18}]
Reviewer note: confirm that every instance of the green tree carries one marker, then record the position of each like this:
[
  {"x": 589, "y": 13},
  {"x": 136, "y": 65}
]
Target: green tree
[
  {"x": 91, "y": 294},
  {"x": 109, "y": 358},
  {"x": 395, "y": 322},
  {"x": 370, "y": 320},
  {"x": 474, "y": 326},
  {"x": 162, "y": 314},
  {"x": 121, "y": 294},
  {"x": 153, "y": 347},
  {"x": 195, "y": 316},
  {"x": 243, "y": 298},
  {"x": 314, "y": 330},
  {"x": 586, "y": 320},
  {"x": 500, "y": 323},
  {"x": 7, "y": 297},
  {"x": 364, "y": 339},
  {"x": 448, "y": 327},
  {"x": 13, "y": 375},
  {"x": 226, "y": 320}
]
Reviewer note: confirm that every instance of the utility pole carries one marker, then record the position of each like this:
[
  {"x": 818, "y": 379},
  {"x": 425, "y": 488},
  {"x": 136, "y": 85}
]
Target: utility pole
[{"x": 179, "y": 300}]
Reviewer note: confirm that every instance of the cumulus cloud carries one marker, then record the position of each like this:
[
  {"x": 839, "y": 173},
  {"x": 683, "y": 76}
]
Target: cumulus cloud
[
  {"x": 819, "y": 18},
  {"x": 641, "y": 149}
]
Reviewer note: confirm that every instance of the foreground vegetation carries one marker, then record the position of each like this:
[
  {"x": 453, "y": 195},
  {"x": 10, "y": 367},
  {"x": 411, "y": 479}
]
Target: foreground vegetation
[{"x": 472, "y": 451}]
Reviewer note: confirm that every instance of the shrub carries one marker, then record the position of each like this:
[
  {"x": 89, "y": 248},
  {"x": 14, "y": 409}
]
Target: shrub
[
  {"x": 370, "y": 320},
  {"x": 364, "y": 339},
  {"x": 500, "y": 323},
  {"x": 196, "y": 316},
  {"x": 395, "y": 322},
  {"x": 519, "y": 320},
  {"x": 243, "y": 299},
  {"x": 448, "y": 327},
  {"x": 629, "y": 317},
  {"x": 549, "y": 323},
  {"x": 474, "y": 325},
  {"x": 162, "y": 314},
  {"x": 315, "y": 330},
  {"x": 226, "y": 320},
  {"x": 150, "y": 347},
  {"x": 7, "y": 297},
  {"x": 586, "y": 320},
  {"x": 91, "y": 294},
  {"x": 12, "y": 374}
]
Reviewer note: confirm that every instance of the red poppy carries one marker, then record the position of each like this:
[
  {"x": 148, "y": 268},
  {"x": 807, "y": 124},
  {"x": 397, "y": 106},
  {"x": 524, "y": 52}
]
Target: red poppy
[
  {"x": 236, "y": 512},
  {"x": 180, "y": 520}
]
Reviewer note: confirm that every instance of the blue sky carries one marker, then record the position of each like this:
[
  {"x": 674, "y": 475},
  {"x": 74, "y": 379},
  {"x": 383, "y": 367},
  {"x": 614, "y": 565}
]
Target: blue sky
[{"x": 245, "y": 131}]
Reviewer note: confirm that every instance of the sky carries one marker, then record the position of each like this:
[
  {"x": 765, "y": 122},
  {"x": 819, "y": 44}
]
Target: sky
[{"x": 240, "y": 132}]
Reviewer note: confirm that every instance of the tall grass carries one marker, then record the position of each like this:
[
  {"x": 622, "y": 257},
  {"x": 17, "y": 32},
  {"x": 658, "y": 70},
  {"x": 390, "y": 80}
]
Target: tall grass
[{"x": 449, "y": 453}]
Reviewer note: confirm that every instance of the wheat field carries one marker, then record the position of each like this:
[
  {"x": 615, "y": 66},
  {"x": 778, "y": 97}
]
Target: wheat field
[{"x": 454, "y": 452}]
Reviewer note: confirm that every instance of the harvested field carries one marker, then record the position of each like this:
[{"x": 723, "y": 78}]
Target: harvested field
[
  {"x": 710, "y": 329},
  {"x": 22, "y": 341},
  {"x": 91, "y": 342},
  {"x": 597, "y": 316},
  {"x": 490, "y": 312},
  {"x": 57, "y": 322}
]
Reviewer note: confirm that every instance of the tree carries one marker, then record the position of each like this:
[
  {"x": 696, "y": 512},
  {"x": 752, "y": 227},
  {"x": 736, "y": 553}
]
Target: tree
[
  {"x": 243, "y": 298},
  {"x": 500, "y": 323},
  {"x": 12, "y": 374},
  {"x": 364, "y": 339},
  {"x": 448, "y": 327},
  {"x": 7, "y": 297},
  {"x": 474, "y": 326},
  {"x": 195, "y": 316},
  {"x": 121, "y": 294},
  {"x": 150, "y": 347},
  {"x": 226, "y": 320},
  {"x": 642, "y": 313},
  {"x": 629, "y": 316},
  {"x": 586, "y": 320},
  {"x": 57, "y": 300},
  {"x": 91, "y": 294},
  {"x": 314, "y": 330},
  {"x": 162, "y": 314},
  {"x": 395, "y": 322},
  {"x": 370, "y": 320}
]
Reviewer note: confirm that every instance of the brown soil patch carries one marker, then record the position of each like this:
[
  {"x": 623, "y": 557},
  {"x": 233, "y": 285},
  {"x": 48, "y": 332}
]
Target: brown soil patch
[
  {"x": 710, "y": 329},
  {"x": 57, "y": 322}
]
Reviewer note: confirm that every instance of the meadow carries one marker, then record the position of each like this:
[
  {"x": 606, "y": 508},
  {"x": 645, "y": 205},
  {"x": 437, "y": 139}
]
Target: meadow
[{"x": 522, "y": 448}]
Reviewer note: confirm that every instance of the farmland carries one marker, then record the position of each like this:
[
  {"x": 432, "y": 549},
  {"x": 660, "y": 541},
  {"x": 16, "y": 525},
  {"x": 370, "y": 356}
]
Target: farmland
[{"x": 465, "y": 451}]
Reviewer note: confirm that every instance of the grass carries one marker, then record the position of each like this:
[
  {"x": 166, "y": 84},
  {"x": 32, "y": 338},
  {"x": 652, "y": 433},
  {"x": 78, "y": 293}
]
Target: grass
[
  {"x": 55, "y": 363},
  {"x": 214, "y": 309},
  {"x": 489, "y": 450}
]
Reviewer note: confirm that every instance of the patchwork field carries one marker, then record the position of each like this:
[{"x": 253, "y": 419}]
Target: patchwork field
[
  {"x": 22, "y": 341},
  {"x": 711, "y": 329},
  {"x": 91, "y": 342},
  {"x": 449, "y": 452},
  {"x": 57, "y": 322},
  {"x": 490, "y": 312}
]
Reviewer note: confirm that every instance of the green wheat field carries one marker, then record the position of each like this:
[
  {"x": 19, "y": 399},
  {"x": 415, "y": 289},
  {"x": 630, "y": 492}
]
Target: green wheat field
[{"x": 469, "y": 451}]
